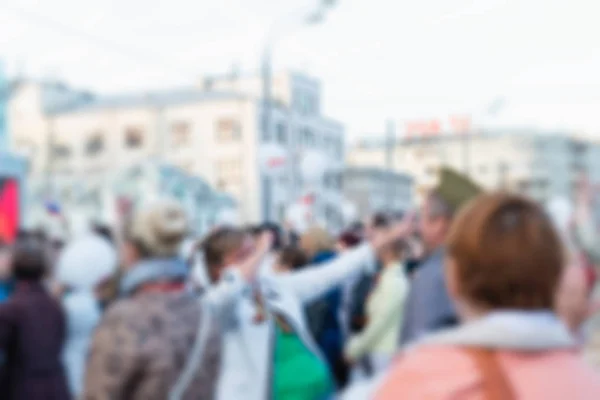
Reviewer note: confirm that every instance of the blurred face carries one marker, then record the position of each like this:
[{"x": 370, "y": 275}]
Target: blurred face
[
  {"x": 432, "y": 226},
  {"x": 307, "y": 245},
  {"x": 280, "y": 267},
  {"x": 5, "y": 264},
  {"x": 369, "y": 228},
  {"x": 240, "y": 254},
  {"x": 416, "y": 249},
  {"x": 233, "y": 257}
]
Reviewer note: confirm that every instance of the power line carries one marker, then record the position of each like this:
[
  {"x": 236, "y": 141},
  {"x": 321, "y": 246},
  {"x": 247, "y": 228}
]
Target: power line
[{"x": 132, "y": 53}]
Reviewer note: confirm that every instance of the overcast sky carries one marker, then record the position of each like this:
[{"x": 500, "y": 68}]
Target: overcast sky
[{"x": 376, "y": 58}]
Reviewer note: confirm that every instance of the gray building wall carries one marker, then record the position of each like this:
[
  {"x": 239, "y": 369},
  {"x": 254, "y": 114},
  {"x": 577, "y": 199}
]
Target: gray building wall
[{"x": 374, "y": 189}]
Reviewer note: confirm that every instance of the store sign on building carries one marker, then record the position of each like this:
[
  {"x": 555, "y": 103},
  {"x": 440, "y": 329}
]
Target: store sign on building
[{"x": 438, "y": 126}]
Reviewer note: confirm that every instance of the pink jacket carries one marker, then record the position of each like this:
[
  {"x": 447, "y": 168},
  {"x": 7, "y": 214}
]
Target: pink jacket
[
  {"x": 447, "y": 372},
  {"x": 535, "y": 352}
]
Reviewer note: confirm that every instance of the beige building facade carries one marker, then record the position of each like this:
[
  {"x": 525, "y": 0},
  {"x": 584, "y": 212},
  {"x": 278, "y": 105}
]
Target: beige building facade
[
  {"x": 540, "y": 164},
  {"x": 212, "y": 131}
]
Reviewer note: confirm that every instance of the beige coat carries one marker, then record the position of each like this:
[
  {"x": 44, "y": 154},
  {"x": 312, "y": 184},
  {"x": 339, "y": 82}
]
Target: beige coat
[{"x": 385, "y": 308}]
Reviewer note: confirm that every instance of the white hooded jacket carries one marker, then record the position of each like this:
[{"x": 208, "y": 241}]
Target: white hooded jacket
[{"x": 83, "y": 264}]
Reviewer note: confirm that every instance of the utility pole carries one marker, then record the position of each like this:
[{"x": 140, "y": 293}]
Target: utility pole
[
  {"x": 467, "y": 153},
  {"x": 50, "y": 149},
  {"x": 503, "y": 176},
  {"x": 314, "y": 17},
  {"x": 266, "y": 130},
  {"x": 162, "y": 143},
  {"x": 390, "y": 151}
]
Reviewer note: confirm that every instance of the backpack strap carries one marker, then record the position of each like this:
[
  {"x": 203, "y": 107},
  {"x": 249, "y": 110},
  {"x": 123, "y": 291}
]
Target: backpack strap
[
  {"x": 195, "y": 357},
  {"x": 495, "y": 382}
]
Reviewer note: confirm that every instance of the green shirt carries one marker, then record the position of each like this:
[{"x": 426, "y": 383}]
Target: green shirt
[{"x": 299, "y": 374}]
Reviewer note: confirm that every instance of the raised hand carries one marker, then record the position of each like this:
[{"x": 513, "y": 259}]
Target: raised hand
[
  {"x": 400, "y": 230},
  {"x": 404, "y": 228},
  {"x": 250, "y": 264},
  {"x": 264, "y": 243}
]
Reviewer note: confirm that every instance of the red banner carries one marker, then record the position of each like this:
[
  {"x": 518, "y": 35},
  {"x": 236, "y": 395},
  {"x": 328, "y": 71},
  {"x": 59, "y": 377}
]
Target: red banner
[{"x": 9, "y": 209}]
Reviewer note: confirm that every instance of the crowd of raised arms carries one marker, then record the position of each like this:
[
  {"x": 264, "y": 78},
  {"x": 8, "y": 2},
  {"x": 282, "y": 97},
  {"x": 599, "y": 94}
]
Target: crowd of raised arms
[{"x": 475, "y": 296}]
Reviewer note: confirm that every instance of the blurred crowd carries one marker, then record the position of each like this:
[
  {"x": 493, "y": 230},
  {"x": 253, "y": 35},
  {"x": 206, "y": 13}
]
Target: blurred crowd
[{"x": 476, "y": 296}]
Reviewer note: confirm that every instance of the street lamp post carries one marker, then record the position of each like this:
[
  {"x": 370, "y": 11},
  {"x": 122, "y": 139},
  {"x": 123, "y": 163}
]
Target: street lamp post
[
  {"x": 389, "y": 163},
  {"x": 312, "y": 18}
]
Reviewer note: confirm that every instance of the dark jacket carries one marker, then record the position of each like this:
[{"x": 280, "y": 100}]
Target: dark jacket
[
  {"x": 359, "y": 294},
  {"x": 428, "y": 306},
  {"x": 324, "y": 322},
  {"x": 32, "y": 334}
]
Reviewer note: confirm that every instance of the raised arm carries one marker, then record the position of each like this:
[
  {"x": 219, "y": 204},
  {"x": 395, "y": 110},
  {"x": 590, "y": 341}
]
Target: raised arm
[
  {"x": 223, "y": 296},
  {"x": 314, "y": 281}
]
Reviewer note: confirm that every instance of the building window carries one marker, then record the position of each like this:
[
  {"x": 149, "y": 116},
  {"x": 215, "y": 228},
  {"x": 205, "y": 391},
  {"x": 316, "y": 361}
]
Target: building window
[
  {"x": 94, "y": 145},
  {"x": 338, "y": 148},
  {"x": 61, "y": 151},
  {"x": 282, "y": 136},
  {"x": 265, "y": 132},
  {"x": 308, "y": 138},
  {"x": 26, "y": 147},
  {"x": 229, "y": 171},
  {"x": 181, "y": 134},
  {"x": 329, "y": 145},
  {"x": 134, "y": 138},
  {"x": 307, "y": 104},
  {"x": 227, "y": 130},
  {"x": 338, "y": 180}
]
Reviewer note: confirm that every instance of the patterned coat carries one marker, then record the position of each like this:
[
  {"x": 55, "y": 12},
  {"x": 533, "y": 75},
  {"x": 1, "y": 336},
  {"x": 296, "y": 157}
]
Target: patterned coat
[{"x": 142, "y": 346}]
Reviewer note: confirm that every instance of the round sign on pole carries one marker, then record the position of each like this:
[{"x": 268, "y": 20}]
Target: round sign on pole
[
  {"x": 272, "y": 158},
  {"x": 314, "y": 165}
]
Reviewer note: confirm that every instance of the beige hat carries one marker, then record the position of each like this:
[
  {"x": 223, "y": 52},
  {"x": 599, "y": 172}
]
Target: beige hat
[{"x": 160, "y": 227}]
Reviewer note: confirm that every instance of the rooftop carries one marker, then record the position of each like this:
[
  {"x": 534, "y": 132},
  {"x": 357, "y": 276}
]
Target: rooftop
[
  {"x": 161, "y": 98},
  {"x": 379, "y": 142},
  {"x": 368, "y": 170}
]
